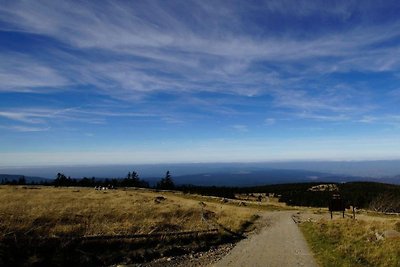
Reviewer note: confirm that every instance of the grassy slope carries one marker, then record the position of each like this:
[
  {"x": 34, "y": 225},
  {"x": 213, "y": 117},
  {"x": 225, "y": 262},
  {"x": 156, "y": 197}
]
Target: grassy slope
[
  {"x": 51, "y": 211},
  {"x": 346, "y": 242},
  {"x": 27, "y": 214}
]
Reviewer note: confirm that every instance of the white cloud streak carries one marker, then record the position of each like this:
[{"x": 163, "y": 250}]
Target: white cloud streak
[
  {"x": 47, "y": 116},
  {"x": 21, "y": 128},
  {"x": 270, "y": 121},
  {"x": 22, "y": 73},
  {"x": 240, "y": 128}
]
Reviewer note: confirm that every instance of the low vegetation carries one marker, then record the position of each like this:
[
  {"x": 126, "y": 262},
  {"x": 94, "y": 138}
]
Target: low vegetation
[
  {"x": 30, "y": 214},
  {"x": 347, "y": 242}
]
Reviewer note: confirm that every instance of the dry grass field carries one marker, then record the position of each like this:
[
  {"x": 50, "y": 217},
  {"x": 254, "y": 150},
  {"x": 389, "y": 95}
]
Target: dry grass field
[
  {"x": 29, "y": 214},
  {"x": 49, "y": 211},
  {"x": 347, "y": 242}
]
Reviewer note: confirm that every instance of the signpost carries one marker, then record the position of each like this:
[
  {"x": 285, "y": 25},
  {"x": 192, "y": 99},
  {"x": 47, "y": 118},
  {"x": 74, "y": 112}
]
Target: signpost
[{"x": 336, "y": 204}]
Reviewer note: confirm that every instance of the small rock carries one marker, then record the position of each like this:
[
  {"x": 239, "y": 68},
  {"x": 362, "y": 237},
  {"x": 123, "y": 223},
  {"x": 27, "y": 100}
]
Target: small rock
[
  {"x": 391, "y": 234},
  {"x": 161, "y": 198},
  {"x": 169, "y": 259},
  {"x": 379, "y": 236}
]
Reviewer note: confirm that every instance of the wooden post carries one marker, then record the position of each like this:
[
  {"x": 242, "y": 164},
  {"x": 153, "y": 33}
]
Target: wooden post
[{"x": 354, "y": 213}]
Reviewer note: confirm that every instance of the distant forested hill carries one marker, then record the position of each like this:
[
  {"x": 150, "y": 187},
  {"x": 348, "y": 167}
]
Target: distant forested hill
[{"x": 28, "y": 179}]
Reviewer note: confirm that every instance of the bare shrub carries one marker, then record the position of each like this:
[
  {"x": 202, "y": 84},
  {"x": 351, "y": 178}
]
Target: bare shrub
[{"x": 385, "y": 203}]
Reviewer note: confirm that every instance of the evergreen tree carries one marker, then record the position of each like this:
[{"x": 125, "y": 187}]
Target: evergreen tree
[
  {"x": 135, "y": 179},
  {"x": 22, "y": 180},
  {"x": 131, "y": 180},
  {"x": 166, "y": 182},
  {"x": 61, "y": 180}
]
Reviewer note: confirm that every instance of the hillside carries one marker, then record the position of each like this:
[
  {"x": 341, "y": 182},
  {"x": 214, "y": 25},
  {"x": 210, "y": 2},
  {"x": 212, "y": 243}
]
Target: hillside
[
  {"x": 87, "y": 227},
  {"x": 16, "y": 177}
]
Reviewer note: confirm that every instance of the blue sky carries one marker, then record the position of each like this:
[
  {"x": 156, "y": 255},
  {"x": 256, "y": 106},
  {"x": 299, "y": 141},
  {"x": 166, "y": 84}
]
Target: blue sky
[{"x": 88, "y": 82}]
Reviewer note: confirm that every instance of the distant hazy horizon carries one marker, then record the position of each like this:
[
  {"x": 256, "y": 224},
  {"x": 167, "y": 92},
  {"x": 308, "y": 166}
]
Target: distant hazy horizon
[{"x": 375, "y": 169}]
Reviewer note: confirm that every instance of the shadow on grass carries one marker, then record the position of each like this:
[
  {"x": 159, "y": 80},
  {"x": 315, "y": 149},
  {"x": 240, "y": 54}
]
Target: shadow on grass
[{"x": 102, "y": 252}]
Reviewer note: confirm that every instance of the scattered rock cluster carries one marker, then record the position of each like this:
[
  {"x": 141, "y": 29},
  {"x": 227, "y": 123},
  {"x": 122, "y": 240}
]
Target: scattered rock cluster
[
  {"x": 324, "y": 187},
  {"x": 204, "y": 258}
]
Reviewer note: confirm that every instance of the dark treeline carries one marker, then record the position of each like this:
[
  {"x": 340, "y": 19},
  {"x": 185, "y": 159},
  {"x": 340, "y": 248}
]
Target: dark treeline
[
  {"x": 131, "y": 180},
  {"x": 21, "y": 181},
  {"x": 225, "y": 192},
  {"x": 375, "y": 196}
]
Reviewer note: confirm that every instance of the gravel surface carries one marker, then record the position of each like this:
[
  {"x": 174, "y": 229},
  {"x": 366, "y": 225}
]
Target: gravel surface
[
  {"x": 207, "y": 258},
  {"x": 280, "y": 244}
]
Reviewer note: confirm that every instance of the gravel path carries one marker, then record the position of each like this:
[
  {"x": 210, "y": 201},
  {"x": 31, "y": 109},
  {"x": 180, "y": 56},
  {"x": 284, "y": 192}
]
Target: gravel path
[{"x": 279, "y": 244}]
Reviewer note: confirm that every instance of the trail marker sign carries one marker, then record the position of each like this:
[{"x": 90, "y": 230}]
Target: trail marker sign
[{"x": 336, "y": 204}]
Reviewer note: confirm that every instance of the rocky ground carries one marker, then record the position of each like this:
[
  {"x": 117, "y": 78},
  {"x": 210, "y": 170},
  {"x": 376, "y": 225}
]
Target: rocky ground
[{"x": 205, "y": 258}]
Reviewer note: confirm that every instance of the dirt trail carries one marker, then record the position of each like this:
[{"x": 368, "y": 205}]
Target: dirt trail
[{"x": 279, "y": 244}]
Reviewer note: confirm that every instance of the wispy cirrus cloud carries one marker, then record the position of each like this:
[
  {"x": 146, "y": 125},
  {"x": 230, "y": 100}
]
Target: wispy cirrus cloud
[
  {"x": 326, "y": 118},
  {"x": 21, "y": 128},
  {"x": 149, "y": 32},
  {"x": 165, "y": 58},
  {"x": 159, "y": 34},
  {"x": 46, "y": 118},
  {"x": 22, "y": 73},
  {"x": 270, "y": 121},
  {"x": 240, "y": 128},
  {"x": 22, "y": 117}
]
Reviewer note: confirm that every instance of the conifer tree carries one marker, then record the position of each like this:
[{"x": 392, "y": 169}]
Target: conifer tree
[{"x": 166, "y": 182}]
